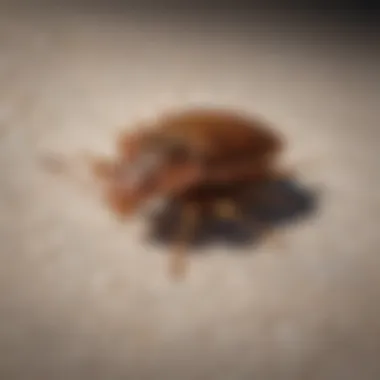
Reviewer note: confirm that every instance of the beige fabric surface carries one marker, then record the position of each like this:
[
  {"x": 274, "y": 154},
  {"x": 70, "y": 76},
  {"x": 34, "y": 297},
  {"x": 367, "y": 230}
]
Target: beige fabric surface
[{"x": 82, "y": 297}]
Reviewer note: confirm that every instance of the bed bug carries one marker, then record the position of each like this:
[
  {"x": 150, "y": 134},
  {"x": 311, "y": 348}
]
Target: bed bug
[{"x": 200, "y": 157}]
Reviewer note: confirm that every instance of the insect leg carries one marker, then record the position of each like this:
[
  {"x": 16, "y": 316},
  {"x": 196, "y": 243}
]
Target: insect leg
[
  {"x": 189, "y": 218},
  {"x": 226, "y": 209}
]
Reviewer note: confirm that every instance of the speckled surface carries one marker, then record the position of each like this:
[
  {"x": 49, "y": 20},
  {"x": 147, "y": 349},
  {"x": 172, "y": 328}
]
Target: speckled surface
[{"x": 81, "y": 297}]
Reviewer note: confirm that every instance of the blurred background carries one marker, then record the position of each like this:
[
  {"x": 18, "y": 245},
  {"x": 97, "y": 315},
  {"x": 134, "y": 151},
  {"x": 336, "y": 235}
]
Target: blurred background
[{"x": 82, "y": 296}]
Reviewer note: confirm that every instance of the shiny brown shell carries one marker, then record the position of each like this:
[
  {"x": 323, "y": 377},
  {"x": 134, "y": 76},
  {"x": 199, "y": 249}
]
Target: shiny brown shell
[{"x": 221, "y": 146}]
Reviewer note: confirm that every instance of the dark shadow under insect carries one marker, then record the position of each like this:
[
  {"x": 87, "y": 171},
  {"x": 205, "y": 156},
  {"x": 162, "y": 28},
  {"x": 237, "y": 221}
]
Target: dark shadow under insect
[{"x": 263, "y": 205}]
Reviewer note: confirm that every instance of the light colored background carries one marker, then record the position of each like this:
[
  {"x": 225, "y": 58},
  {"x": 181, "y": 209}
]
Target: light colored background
[{"x": 82, "y": 298}]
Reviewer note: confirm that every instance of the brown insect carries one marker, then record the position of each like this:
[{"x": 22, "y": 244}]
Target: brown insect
[{"x": 202, "y": 158}]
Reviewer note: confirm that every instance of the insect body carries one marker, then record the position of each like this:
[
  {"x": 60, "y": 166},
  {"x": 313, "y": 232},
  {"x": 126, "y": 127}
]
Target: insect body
[{"x": 182, "y": 153}]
